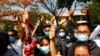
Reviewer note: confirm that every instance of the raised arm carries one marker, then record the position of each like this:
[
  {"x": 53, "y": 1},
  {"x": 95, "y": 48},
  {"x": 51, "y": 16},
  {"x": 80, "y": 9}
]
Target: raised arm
[
  {"x": 20, "y": 28},
  {"x": 52, "y": 36},
  {"x": 37, "y": 24}
]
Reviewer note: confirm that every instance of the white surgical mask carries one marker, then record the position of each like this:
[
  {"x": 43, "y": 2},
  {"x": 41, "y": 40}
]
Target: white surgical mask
[
  {"x": 82, "y": 37},
  {"x": 45, "y": 49},
  {"x": 61, "y": 34}
]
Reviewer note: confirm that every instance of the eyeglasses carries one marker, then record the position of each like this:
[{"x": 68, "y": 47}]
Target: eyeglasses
[{"x": 84, "y": 32}]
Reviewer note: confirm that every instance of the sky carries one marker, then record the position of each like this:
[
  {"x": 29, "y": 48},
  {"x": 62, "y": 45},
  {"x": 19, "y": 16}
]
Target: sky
[{"x": 40, "y": 7}]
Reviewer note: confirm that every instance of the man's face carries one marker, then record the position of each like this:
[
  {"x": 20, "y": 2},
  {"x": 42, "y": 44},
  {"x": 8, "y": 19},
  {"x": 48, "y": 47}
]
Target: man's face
[
  {"x": 81, "y": 51},
  {"x": 83, "y": 29},
  {"x": 12, "y": 37},
  {"x": 47, "y": 29},
  {"x": 61, "y": 30}
]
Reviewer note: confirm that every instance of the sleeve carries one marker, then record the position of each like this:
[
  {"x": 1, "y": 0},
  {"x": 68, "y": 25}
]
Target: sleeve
[{"x": 71, "y": 50}]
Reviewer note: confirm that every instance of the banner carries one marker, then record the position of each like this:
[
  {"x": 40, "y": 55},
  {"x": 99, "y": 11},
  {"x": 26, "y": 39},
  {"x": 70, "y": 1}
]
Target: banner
[{"x": 95, "y": 33}]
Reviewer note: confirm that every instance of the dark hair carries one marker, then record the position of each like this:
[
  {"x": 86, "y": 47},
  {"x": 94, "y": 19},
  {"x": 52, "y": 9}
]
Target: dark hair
[
  {"x": 58, "y": 29},
  {"x": 14, "y": 31},
  {"x": 81, "y": 44},
  {"x": 45, "y": 26},
  {"x": 41, "y": 41},
  {"x": 84, "y": 24}
]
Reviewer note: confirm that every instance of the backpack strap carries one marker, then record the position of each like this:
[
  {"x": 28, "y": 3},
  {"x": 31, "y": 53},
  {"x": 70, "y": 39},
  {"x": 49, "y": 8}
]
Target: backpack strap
[{"x": 13, "y": 49}]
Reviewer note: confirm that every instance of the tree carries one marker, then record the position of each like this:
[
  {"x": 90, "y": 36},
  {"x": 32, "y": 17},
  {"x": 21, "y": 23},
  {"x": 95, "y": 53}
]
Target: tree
[
  {"x": 94, "y": 11},
  {"x": 54, "y": 5},
  {"x": 5, "y": 25},
  {"x": 64, "y": 3}
]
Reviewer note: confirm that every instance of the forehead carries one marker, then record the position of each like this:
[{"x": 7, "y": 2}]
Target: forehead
[
  {"x": 81, "y": 50},
  {"x": 61, "y": 30},
  {"x": 47, "y": 28},
  {"x": 83, "y": 28},
  {"x": 10, "y": 33},
  {"x": 45, "y": 41}
]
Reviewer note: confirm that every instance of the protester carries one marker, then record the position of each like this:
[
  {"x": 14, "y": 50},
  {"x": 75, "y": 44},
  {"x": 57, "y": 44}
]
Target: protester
[
  {"x": 61, "y": 41},
  {"x": 15, "y": 42},
  {"x": 29, "y": 41},
  {"x": 4, "y": 42},
  {"x": 81, "y": 49},
  {"x": 46, "y": 30},
  {"x": 82, "y": 34},
  {"x": 44, "y": 47},
  {"x": 49, "y": 39}
]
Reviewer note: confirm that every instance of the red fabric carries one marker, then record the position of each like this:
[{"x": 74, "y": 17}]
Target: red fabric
[
  {"x": 27, "y": 21},
  {"x": 29, "y": 47},
  {"x": 28, "y": 24}
]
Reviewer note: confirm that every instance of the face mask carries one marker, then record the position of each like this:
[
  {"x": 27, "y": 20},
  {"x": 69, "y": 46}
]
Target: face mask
[
  {"x": 61, "y": 34},
  {"x": 46, "y": 33},
  {"x": 82, "y": 37},
  {"x": 11, "y": 39},
  {"x": 45, "y": 49}
]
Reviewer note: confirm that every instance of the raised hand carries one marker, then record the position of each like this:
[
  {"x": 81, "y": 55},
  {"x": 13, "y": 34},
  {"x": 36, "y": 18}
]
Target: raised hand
[
  {"x": 52, "y": 30},
  {"x": 25, "y": 15}
]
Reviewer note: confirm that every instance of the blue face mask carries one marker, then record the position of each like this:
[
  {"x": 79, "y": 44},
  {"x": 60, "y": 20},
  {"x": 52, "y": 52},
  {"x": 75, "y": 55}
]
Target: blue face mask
[
  {"x": 61, "y": 34},
  {"x": 11, "y": 39},
  {"x": 45, "y": 49},
  {"x": 82, "y": 37},
  {"x": 46, "y": 33}
]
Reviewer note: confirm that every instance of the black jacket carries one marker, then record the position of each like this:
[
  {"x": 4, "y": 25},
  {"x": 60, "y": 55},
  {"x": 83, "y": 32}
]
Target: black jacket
[
  {"x": 61, "y": 45},
  {"x": 94, "y": 49}
]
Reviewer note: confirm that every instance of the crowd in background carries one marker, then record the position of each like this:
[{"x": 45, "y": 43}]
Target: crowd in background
[{"x": 48, "y": 39}]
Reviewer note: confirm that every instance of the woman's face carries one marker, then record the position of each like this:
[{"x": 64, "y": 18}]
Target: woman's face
[
  {"x": 45, "y": 42},
  {"x": 45, "y": 49},
  {"x": 81, "y": 51}
]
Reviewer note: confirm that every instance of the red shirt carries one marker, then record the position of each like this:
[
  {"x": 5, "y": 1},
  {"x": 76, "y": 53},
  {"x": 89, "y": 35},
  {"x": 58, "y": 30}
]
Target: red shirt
[{"x": 29, "y": 47}]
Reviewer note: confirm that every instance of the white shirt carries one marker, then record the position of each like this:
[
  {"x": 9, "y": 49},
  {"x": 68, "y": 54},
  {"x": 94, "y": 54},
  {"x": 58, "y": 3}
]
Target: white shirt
[
  {"x": 17, "y": 45},
  {"x": 97, "y": 42}
]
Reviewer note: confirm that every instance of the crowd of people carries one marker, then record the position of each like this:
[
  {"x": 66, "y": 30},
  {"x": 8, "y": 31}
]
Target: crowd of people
[{"x": 48, "y": 40}]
